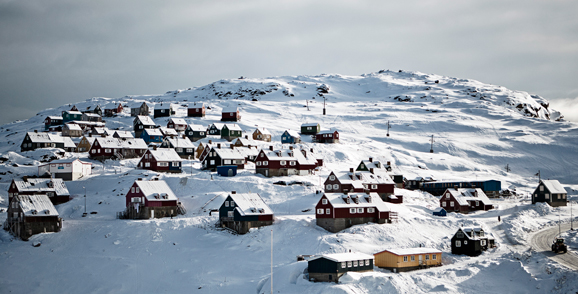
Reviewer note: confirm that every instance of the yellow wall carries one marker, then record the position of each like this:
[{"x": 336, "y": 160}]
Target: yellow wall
[{"x": 390, "y": 260}]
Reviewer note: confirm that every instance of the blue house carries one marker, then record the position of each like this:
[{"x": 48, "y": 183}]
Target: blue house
[
  {"x": 70, "y": 115},
  {"x": 152, "y": 136},
  {"x": 227, "y": 170},
  {"x": 290, "y": 137},
  {"x": 440, "y": 211}
]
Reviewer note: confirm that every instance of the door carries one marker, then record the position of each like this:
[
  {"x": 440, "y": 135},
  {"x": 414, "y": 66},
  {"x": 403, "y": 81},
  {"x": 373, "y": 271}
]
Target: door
[
  {"x": 152, "y": 213},
  {"x": 420, "y": 258},
  {"x": 230, "y": 172}
]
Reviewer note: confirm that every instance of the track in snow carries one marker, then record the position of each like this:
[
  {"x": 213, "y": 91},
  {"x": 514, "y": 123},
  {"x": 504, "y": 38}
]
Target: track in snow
[{"x": 541, "y": 241}]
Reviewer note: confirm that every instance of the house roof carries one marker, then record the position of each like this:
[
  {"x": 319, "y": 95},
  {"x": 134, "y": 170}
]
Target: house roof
[
  {"x": 124, "y": 134},
  {"x": 36, "y": 205},
  {"x": 168, "y": 131},
  {"x": 230, "y": 109},
  {"x": 463, "y": 195},
  {"x": 73, "y": 127},
  {"x": 338, "y": 200},
  {"x": 180, "y": 142},
  {"x": 375, "y": 164},
  {"x": 197, "y": 128},
  {"x": 163, "y": 106},
  {"x": 246, "y": 151},
  {"x": 178, "y": 121},
  {"x": 474, "y": 233},
  {"x": 233, "y": 127},
  {"x": 153, "y": 132},
  {"x": 410, "y": 251},
  {"x": 39, "y": 137},
  {"x": 55, "y": 117},
  {"x": 67, "y": 160},
  {"x": 165, "y": 154},
  {"x": 263, "y": 131},
  {"x": 250, "y": 204},
  {"x": 344, "y": 257},
  {"x": 89, "y": 114},
  {"x": 155, "y": 190},
  {"x": 554, "y": 186},
  {"x": 73, "y": 112},
  {"x": 289, "y": 155},
  {"x": 145, "y": 120},
  {"x": 136, "y": 104},
  {"x": 196, "y": 105},
  {"x": 227, "y": 153},
  {"x": 438, "y": 209},
  {"x": 327, "y": 132},
  {"x": 218, "y": 125},
  {"x": 292, "y": 133},
  {"x": 129, "y": 143},
  {"x": 309, "y": 124},
  {"x": 42, "y": 185},
  {"x": 111, "y": 105}
]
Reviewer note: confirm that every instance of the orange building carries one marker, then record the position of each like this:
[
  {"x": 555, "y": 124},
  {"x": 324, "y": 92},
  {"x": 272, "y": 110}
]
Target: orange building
[{"x": 401, "y": 260}]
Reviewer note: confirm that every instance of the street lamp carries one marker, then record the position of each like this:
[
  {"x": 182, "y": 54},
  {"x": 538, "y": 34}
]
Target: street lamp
[{"x": 84, "y": 214}]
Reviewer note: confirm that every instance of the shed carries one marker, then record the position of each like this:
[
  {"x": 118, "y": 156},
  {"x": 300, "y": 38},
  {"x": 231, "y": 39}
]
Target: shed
[
  {"x": 440, "y": 211},
  {"x": 227, "y": 170}
]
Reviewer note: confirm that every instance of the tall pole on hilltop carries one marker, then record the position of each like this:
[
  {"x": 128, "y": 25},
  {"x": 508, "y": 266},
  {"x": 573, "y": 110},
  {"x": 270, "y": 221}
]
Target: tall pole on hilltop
[
  {"x": 432, "y": 141},
  {"x": 388, "y": 127},
  {"x": 324, "y": 105}
]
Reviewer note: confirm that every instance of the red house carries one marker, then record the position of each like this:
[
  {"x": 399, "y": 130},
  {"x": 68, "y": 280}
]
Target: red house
[
  {"x": 327, "y": 137},
  {"x": 178, "y": 124},
  {"x": 55, "y": 189},
  {"x": 111, "y": 108},
  {"x": 196, "y": 110},
  {"x": 284, "y": 162},
  {"x": 337, "y": 211},
  {"x": 231, "y": 114},
  {"x": 163, "y": 159},
  {"x": 465, "y": 200},
  {"x": 355, "y": 181},
  {"x": 110, "y": 147},
  {"x": 150, "y": 199}
]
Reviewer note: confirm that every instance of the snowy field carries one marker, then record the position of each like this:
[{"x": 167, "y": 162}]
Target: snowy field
[{"x": 478, "y": 129}]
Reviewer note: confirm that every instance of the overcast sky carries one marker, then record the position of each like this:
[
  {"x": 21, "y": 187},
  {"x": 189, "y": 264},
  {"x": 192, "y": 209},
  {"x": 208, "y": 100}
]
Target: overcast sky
[{"x": 60, "y": 51}]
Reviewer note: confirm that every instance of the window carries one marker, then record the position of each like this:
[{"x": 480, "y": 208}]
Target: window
[
  {"x": 162, "y": 164},
  {"x": 231, "y": 213},
  {"x": 465, "y": 242},
  {"x": 132, "y": 190},
  {"x": 443, "y": 204},
  {"x": 349, "y": 264},
  {"x": 292, "y": 163},
  {"x": 265, "y": 162},
  {"x": 547, "y": 196},
  {"x": 332, "y": 178},
  {"x": 451, "y": 203},
  {"x": 137, "y": 190},
  {"x": 355, "y": 263},
  {"x": 558, "y": 196},
  {"x": 434, "y": 256},
  {"x": 448, "y": 196},
  {"x": 343, "y": 265},
  {"x": 189, "y": 150},
  {"x": 352, "y": 210},
  {"x": 258, "y": 163},
  {"x": 367, "y": 262},
  {"x": 179, "y": 150},
  {"x": 360, "y": 210},
  {"x": 370, "y": 210},
  {"x": 147, "y": 164},
  {"x": 483, "y": 242},
  {"x": 413, "y": 258},
  {"x": 309, "y": 128},
  {"x": 405, "y": 259},
  {"x": 335, "y": 187},
  {"x": 374, "y": 187},
  {"x": 323, "y": 201},
  {"x": 93, "y": 151},
  {"x": 460, "y": 235},
  {"x": 477, "y": 203},
  {"x": 226, "y": 203},
  {"x": 541, "y": 188},
  {"x": 227, "y": 161},
  {"x": 320, "y": 211},
  {"x": 427, "y": 257},
  {"x": 458, "y": 243},
  {"x": 190, "y": 133},
  {"x": 283, "y": 162},
  {"x": 212, "y": 162},
  {"x": 232, "y": 203},
  {"x": 176, "y": 163}
]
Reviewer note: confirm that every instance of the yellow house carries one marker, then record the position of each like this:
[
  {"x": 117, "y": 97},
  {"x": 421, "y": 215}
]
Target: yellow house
[
  {"x": 85, "y": 144},
  {"x": 400, "y": 260}
]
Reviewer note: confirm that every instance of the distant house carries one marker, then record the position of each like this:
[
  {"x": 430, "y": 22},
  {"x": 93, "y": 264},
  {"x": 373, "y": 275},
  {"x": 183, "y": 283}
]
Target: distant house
[
  {"x": 243, "y": 142},
  {"x": 55, "y": 189},
  {"x": 491, "y": 188},
  {"x": 241, "y": 212},
  {"x": 330, "y": 267},
  {"x": 310, "y": 128},
  {"x": 51, "y": 121},
  {"x": 551, "y": 192},
  {"x": 285, "y": 162},
  {"x": 196, "y": 110},
  {"x": 35, "y": 140},
  {"x": 88, "y": 116},
  {"x": 111, "y": 109},
  {"x": 95, "y": 109},
  {"x": 231, "y": 131},
  {"x": 399, "y": 181},
  {"x": 440, "y": 211},
  {"x": 217, "y": 156},
  {"x": 32, "y": 214},
  {"x": 215, "y": 129},
  {"x": 407, "y": 259},
  {"x": 151, "y": 199},
  {"x": 355, "y": 181},
  {"x": 152, "y": 136},
  {"x": 178, "y": 124},
  {"x": 230, "y": 114},
  {"x": 122, "y": 135},
  {"x": 395, "y": 199},
  {"x": 471, "y": 241},
  {"x": 418, "y": 182},
  {"x": 100, "y": 131},
  {"x": 327, "y": 136},
  {"x": 140, "y": 123},
  {"x": 139, "y": 108},
  {"x": 168, "y": 132},
  {"x": 183, "y": 146},
  {"x": 162, "y": 160},
  {"x": 115, "y": 148},
  {"x": 464, "y": 200},
  {"x": 195, "y": 132},
  {"x": 69, "y": 115},
  {"x": 70, "y": 169},
  {"x": 73, "y": 108},
  {"x": 87, "y": 126},
  {"x": 262, "y": 134},
  {"x": 373, "y": 166},
  {"x": 85, "y": 144},
  {"x": 163, "y": 110},
  {"x": 290, "y": 137},
  {"x": 71, "y": 130},
  {"x": 336, "y": 211}
]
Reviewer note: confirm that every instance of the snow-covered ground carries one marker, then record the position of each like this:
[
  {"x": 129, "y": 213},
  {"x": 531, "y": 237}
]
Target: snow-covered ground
[{"x": 478, "y": 129}]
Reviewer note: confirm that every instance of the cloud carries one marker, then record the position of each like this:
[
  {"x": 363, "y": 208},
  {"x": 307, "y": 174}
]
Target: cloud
[{"x": 567, "y": 106}]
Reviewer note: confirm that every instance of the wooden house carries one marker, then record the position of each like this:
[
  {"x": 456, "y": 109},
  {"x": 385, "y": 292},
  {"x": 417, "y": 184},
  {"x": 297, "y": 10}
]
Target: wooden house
[
  {"x": 168, "y": 132},
  {"x": 310, "y": 128},
  {"x": 407, "y": 259},
  {"x": 35, "y": 140},
  {"x": 262, "y": 134},
  {"x": 471, "y": 241},
  {"x": 152, "y": 136},
  {"x": 115, "y": 148},
  {"x": 122, "y": 135},
  {"x": 551, "y": 192},
  {"x": 69, "y": 115},
  {"x": 163, "y": 110},
  {"x": 151, "y": 199},
  {"x": 243, "y": 142},
  {"x": 217, "y": 156},
  {"x": 178, "y": 124},
  {"x": 162, "y": 160},
  {"x": 70, "y": 169},
  {"x": 55, "y": 189},
  {"x": 418, "y": 182},
  {"x": 51, "y": 121},
  {"x": 87, "y": 126},
  {"x": 139, "y": 108},
  {"x": 336, "y": 211},
  {"x": 284, "y": 162},
  {"x": 440, "y": 211},
  {"x": 95, "y": 109},
  {"x": 85, "y": 144},
  {"x": 290, "y": 137},
  {"x": 231, "y": 131},
  {"x": 140, "y": 123},
  {"x": 355, "y": 181},
  {"x": 112, "y": 109},
  {"x": 230, "y": 114},
  {"x": 87, "y": 116},
  {"x": 327, "y": 136},
  {"x": 241, "y": 212},
  {"x": 32, "y": 214},
  {"x": 399, "y": 181},
  {"x": 196, "y": 110},
  {"x": 330, "y": 267},
  {"x": 71, "y": 130},
  {"x": 73, "y": 108},
  {"x": 373, "y": 166},
  {"x": 183, "y": 146},
  {"x": 215, "y": 129},
  {"x": 100, "y": 131},
  {"x": 464, "y": 200},
  {"x": 195, "y": 132}
]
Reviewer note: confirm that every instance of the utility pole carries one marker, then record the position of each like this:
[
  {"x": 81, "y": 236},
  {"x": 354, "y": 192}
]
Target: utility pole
[
  {"x": 84, "y": 214},
  {"x": 388, "y": 127},
  {"x": 271, "y": 261},
  {"x": 307, "y": 101},
  {"x": 539, "y": 177},
  {"x": 571, "y": 218},
  {"x": 508, "y": 168},
  {"x": 324, "y": 105},
  {"x": 432, "y": 141}
]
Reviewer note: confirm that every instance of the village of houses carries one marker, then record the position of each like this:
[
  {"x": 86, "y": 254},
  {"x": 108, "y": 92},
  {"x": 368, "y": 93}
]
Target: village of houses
[{"x": 162, "y": 141}]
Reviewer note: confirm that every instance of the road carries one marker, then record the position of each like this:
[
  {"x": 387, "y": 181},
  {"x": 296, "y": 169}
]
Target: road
[{"x": 541, "y": 241}]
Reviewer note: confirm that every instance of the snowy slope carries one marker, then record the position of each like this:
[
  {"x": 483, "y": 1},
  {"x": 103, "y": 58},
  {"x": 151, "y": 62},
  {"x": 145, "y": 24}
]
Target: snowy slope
[{"x": 477, "y": 128}]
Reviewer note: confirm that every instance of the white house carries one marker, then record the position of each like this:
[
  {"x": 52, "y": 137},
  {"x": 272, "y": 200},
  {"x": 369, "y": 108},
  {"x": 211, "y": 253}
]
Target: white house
[{"x": 67, "y": 169}]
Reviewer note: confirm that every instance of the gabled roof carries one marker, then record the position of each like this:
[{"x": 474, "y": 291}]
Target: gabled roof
[
  {"x": 67, "y": 160},
  {"x": 165, "y": 154},
  {"x": 263, "y": 131},
  {"x": 218, "y": 125},
  {"x": 474, "y": 233},
  {"x": 89, "y": 139},
  {"x": 196, "y": 105},
  {"x": 123, "y": 134},
  {"x": 309, "y": 124},
  {"x": 36, "y": 205},
  {"x": 227, "y": 153},
  {"x": 136, "y": 104},
  {"x": 230, "y": 109},
  {"x": 327, "y": 132},
  {"x": 197, "y": 128},
  {"x": 554, "y": 186},
  {"x": 163, "y": 106},
  {"x": 73, "y": 112},
  {"x": 285, "y": 154},
  {"x": 233, "y": 127},
  {"x": 90, "y": 114},
  {"x": 130, "y": 143},
  {"x": 250, "y": 204},
  {"x": 344, "y": 257},
  {"x": 168, "y": 131},
  {"x": 155, "y": 190},
  {"x": 111, "y": 105},
  {"x": 145, "y": 120},
  {"x": 246, "y": 151},
  {"x": 54, "y": 117},
  {"x": 42, "y": 185},
  {"x": 375, "y": 164},
  {"x": 153, "y": 132},
  {"x": 73, "y": 127},
  {"x": 180, "y": 142},
  {"x": 292, "y": 133},
  {"x": 463, "y": 195},
  {"x": 178, "y": 121},
  {"x": 338, "y": 200},
  {"x": 410, "y": 251},
  {"x": 39, "y": 137}
]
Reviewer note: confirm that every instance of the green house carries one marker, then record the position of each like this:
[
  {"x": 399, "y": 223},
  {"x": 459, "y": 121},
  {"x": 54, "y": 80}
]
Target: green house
[
  {"x": 70, "y": 115},
  {"x": 231, "y": 132},
  {"x": 310, "y": 128}
]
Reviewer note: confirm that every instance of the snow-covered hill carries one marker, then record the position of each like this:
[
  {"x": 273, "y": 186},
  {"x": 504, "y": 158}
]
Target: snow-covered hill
[{"x": 478, "y": 129}]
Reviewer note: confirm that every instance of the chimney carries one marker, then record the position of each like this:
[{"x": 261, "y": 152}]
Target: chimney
[
  {"x": 25, "y": 178},
  {"x": 232, "y": 146},
  {"x": 233, "y": 192},
  {"x": 139, "y": 179},
  {"x": 218, "y": 145},
  {"x": 290, "y": 147},
  {"x": 271, "y": 148},
  {"x": 154, "y": 147},
  {"x": 90, "y": 134},
  {"x": 36, "y": 131},
  {"x": 456, "y": 187},
  {"x": 371, "y": 159},
  {"x": 366, "y": 191},
  {"x": 247, "y": 137},
  {"x": 311, "y": 150},
  {"x": 389, "y": 163},
  {"x": 210, "y": 141},
  {"x": 351, "y": 169},
  {"x": 371, "y": 169}
]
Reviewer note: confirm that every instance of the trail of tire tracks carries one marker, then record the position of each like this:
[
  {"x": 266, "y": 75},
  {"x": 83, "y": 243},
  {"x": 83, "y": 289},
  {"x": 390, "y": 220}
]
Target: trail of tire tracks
[{"x": 541, "y": 241}]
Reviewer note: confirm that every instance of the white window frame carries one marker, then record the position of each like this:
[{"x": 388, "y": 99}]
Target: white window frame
[
  {"x": 458, "y": 243},
  {"x": 360, "y": 210},
  {"x": 332, "y": 178},
  {"x": 335, "y": 187},
  {"x": 355, "y": 263},
  {"x": 343, "y": 264},
  {"x": 147, "y": 164},
  {"x": 413, "y": 258},
  {"x": 405, "y": 259},
  {"x": 324, "y": 201},
  {"x": 451, "y": 204},
  {"x": 352, "y": 210},
  {"x": 320, "y": 211},
  {"x": 231, "y": 213},
  {"x": 434, "y": 256},
  {"x": 226, "y": 203},
  {"x": 374, "y": 187},
  {"x": 327, "y": 211},
  {"x": 328, "y": 187},
  {"x": 370, "y": 210}
]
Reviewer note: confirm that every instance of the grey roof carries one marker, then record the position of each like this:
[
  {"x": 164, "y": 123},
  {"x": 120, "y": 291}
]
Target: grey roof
[
  {"x": 230, "y": 109},
  {"x": 165, "y": 154},
  {"x": 129, "y": 143},
  {"x": 462, "y": 195},
  {"x": 554, "y": 186},
  {"x": 154, "y": 190},
  {"x": 145, "y": 120},
  {"x": 42, "y": 185},
  {"x": 344, "y": 257},
  {"x": 36, "y": 205},
  {"x": 250, "y": 204}
]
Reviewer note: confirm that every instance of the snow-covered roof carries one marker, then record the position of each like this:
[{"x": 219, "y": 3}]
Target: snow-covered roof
[
  {"x": 327, "y": 132},
  {"x": 218, "y": 125},
  {"x": 338, "y": 200},
  {"x": 344, "y": 257},
  {"x": 54, "y": 117},
  {"x": 155, "y": 190},
  {"x": 42, "y": 185},
  {"x": 145, "y": 120},
  {"x": 165, "y": 154},
  {"x": 168, "y": 131},
  {"x": 375, "y": 164},
  {"x": 463, "y": 195},
  {"x": 293, "y": 133},
  {"x": 73, "y": 127},
  {"x": 230, "y": 109},
  {"x": 153, "y": 132},
  {"x": 39, "y": 137},
  {"x": 197, "y": 128},
  {"x": 111, "y": 105},
  {"x": 163, "y": 106},
  {"x": 89, "y": 114},
  {"x": 246, "y": 151},
  {"x": 123, "y": 134},
  {"x": 309, "y": 124},
  {"x": 289, "y": 155},
  {"x": 250, "y": 204},
  {"x": 410, "y": 251},
  {"x": 263, "y": 131},
  {"x": 475, "y": 233},
  {"x": 178, "y": 121},
  {"x": 233, "y": 127},
  {"x": 73, "y": 112},
  {"x": 36, "y": 205},
  {"x": 438, "y": 209},
  {"x": 66, "y": 160},
  {"x": 180, "y": 142},
  {"x": 227, "y": 153},
  {"x": 136, "y": 104},
  {"x": 196, "y": 105},
  {"x": 129, "y": 143},
  {"x": 554, "y": 186}
]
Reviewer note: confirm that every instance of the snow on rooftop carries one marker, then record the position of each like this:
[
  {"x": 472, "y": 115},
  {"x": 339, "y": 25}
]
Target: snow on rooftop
[
  {"x": 154, "y": 190},
  {"x": 410, "y": 251},
  {"x": 36, "y": 205},
  {"x": 343, "y": 257},
  {"x": 166, "y": 154},
  {"x": 250, "y": 204},
  {"x": 554, "y": 186}
]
